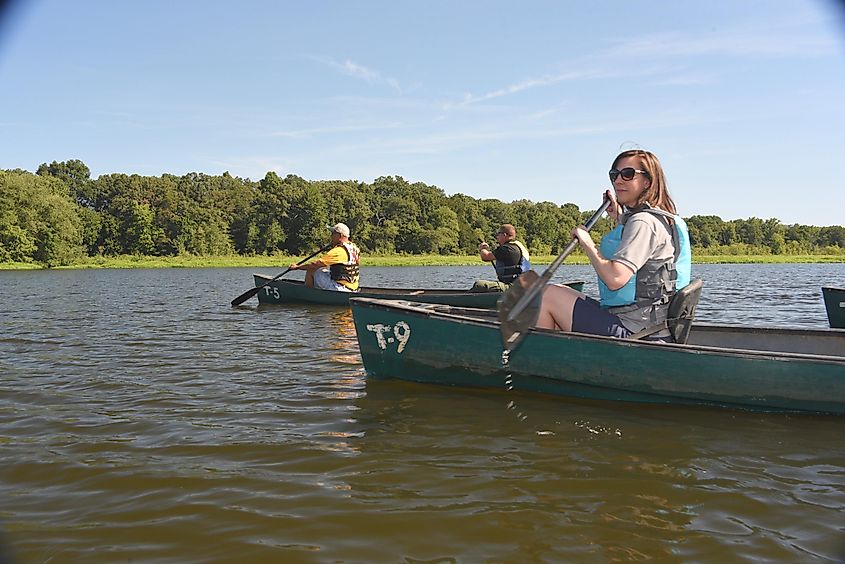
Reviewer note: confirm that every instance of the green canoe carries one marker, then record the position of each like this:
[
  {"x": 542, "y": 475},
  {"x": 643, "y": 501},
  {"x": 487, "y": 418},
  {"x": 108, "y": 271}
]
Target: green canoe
[
  {"x": 768, "y": 369},
  {"x": 834, "y": 303},
  {"x": 295, "y": 291}
]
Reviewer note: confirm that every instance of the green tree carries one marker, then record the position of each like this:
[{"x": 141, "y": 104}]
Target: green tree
[
  {"x": 749, "y": 231},
  {"x": 38, "y": 220},
  {"x": 832, "y": 236},
  {"x": 774, "y": 236},
  {"x": 307, "y": 216},
  {"x": 76, "y": 176},
  {"x": 348, "y": 202},
  {"x": 472, "y": 225},
  {"x": 444, "y": 235}
]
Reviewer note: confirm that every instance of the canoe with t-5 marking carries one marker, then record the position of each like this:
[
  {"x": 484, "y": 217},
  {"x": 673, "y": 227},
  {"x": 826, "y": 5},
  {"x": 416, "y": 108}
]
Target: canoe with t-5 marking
[
  {"x": 770, "y": 369},
  {"x": 295, "y": 291}
]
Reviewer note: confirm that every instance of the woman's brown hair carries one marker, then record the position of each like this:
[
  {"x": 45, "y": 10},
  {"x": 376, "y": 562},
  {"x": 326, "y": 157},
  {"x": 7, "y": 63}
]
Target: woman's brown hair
[{"x": 657, "y": 194}]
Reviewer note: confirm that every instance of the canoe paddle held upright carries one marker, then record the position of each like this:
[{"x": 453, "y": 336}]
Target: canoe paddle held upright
[{"x": 519, "y": 307}]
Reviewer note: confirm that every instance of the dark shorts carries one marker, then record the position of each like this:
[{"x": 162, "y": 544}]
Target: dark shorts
[{"x": 589, "y": 317}]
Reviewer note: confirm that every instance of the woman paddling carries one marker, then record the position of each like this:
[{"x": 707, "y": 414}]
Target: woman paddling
[{"x": 640, "y": 263}]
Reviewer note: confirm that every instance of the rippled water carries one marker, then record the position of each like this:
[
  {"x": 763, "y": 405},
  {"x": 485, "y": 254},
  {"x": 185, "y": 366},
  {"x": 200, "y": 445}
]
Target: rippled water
[{"x": 142, "y": 418}]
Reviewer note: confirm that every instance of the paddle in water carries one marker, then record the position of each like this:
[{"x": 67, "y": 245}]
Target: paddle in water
[
  {"x": 519, "y": 307},
  {"x": 251, "y": 292}
]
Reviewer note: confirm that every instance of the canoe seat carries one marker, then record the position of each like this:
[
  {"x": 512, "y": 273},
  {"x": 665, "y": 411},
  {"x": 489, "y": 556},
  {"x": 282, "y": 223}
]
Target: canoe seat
[{"x": 680, "y": 315}]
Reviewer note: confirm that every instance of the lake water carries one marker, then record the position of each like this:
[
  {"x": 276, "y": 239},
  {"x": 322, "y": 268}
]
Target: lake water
[{"x": 142, "y": 418}]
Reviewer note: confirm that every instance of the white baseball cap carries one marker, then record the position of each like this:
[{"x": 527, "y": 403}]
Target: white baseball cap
[{"x": 341, "y": 228}]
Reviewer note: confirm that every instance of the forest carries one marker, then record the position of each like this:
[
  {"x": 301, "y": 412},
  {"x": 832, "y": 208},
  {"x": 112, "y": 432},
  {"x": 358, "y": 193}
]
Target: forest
[{"x": 59, "y": 214}]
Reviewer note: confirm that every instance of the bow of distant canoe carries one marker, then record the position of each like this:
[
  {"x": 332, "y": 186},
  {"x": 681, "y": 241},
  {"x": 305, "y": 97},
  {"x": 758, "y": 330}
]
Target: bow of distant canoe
[{"x": 834, "y": 303}]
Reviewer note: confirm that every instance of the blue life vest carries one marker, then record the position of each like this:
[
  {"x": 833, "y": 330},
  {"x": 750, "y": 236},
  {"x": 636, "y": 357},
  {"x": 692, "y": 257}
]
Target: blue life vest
[
  {"x": 508, "y": 273},
  {"x": 637, "y": 290}
]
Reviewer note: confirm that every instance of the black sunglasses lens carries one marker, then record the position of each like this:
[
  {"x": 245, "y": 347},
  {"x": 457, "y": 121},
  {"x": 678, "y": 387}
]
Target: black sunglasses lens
[
  {"x": 614, "y": 174},
  {"x": 627, "y": 173}
]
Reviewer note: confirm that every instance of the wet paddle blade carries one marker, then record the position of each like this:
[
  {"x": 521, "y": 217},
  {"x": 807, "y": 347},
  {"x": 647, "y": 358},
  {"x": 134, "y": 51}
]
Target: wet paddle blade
[
  {"x": 519, "y": 308},
  {"x": 513, "y": 328},
  {"x": 245, "y": 296}
]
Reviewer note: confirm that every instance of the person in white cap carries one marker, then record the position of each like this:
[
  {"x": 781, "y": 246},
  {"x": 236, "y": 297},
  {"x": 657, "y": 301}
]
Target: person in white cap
[{"x": 337, "y": 270}]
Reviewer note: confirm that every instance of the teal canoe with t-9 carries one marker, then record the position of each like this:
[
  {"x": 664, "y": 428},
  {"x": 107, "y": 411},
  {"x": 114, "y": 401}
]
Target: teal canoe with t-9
[
  {"x": 769, "y": 369},
  {"x": 834, "y": 303},
  {"x": 281, "y": 291}
]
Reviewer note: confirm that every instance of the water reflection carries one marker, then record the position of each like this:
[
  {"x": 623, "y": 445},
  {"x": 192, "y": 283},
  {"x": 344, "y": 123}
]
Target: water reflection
[{"x": 656, "y": 481}]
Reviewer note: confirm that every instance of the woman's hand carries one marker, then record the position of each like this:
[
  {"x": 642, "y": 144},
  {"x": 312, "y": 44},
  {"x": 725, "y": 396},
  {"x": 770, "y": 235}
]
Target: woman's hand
[
  {"x": 583, "y": 237},
  {"x": 614, "y": 210}
]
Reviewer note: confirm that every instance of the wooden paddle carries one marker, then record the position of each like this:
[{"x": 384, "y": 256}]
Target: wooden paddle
[
  {"x": 249, "y": 293},
  {"x": 520, "y": 305}
]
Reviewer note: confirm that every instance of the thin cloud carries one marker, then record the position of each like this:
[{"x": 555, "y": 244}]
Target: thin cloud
[
  {"x": 769, "y": 42},
  {"x": 596, "y": 70},
  {"x": 688, "y": 80},
  {"x": 313, "y": 131},
  {"x": 444, "y": 142},
  {"x": 529, "y": 84},
  {"x": 355, "y": 70},
  {"x": 775, "y": 40}
]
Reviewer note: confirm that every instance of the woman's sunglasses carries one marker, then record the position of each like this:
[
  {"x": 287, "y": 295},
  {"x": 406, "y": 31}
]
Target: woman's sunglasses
[{"x": 627, "y": 173}]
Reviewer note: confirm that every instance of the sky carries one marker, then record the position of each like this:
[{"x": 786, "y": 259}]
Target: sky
[{"x": 742, "y": 101}]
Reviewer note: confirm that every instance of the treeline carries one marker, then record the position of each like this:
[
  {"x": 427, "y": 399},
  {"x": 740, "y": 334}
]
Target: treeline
[{"x": 60, "y": 214}]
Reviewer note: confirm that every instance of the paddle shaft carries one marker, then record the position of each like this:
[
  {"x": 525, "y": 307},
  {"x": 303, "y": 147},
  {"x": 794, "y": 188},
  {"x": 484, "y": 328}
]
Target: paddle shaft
[
  {"x": 541, "y": 282},
  {"x": 251, "y": 292}
]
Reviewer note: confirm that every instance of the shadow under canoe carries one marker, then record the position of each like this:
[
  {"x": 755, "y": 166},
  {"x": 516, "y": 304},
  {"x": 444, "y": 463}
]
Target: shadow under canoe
[{"x": 769, "y": 369}]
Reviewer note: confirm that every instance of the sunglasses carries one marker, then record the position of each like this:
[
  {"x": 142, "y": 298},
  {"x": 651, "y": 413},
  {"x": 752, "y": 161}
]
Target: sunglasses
[{"x": 627, "y": 173}]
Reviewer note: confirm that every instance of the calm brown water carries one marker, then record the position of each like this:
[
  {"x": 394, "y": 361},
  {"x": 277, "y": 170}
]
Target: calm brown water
[{"x": 142, "y": 418}]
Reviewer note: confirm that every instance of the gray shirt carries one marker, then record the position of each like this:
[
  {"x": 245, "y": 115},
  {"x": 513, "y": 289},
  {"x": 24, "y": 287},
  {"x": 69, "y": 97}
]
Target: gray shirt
[{"x": 645, "y": 247}]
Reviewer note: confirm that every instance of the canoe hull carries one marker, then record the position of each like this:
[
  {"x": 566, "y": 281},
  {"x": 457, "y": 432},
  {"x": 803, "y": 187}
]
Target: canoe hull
[
  {"x": 834, "y": 303},
  {"x": 465, "y": 350},
  {"x": 283, "y": 291}
]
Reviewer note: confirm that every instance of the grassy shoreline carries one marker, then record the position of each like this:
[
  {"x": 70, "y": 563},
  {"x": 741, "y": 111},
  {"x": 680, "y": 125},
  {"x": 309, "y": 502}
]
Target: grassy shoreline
[{"x": 280, "y": 261}]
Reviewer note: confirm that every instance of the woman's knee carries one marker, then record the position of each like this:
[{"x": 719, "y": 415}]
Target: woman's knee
[{"x": 556, "y": 307}]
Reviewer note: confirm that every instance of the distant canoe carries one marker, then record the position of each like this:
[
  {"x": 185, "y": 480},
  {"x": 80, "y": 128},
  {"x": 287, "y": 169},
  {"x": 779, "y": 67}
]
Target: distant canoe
[
  {"x": 294, "y": 291},
  {"x": 834, "y": 303},
  {"x": 769, "y": 369}
]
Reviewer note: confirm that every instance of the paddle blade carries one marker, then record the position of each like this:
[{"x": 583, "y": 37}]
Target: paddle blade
[
  {"x": 514, "y": 327},
  {"x": 245, "y": 296}
]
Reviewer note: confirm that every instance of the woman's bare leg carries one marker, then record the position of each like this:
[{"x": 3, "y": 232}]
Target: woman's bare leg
[{"x": 557, "y": 306}]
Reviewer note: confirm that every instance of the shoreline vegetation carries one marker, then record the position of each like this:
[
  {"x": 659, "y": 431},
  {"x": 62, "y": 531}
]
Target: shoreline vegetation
[
  {"x": 59, "y": 217},
  {"x": 282, "y": 261}
]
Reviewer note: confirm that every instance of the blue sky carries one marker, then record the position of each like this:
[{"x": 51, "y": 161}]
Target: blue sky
[{"x": 743, "y": 101}]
